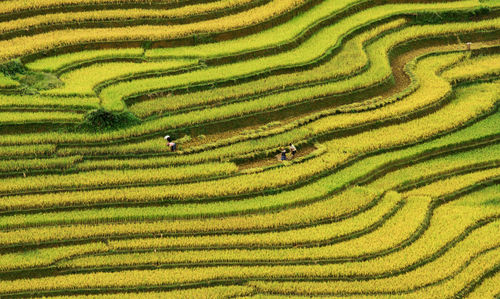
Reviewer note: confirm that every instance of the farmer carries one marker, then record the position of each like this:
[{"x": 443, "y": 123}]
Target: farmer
[
  {"x": 293, "y": 149},
  {"x": 283, "y": 154},
  {"x": 172, "y": 146},
  {"x": 170, "y": 143}
]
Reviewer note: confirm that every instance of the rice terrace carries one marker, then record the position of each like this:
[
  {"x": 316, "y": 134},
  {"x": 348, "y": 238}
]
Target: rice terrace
[{"x": 250, "y": 148}]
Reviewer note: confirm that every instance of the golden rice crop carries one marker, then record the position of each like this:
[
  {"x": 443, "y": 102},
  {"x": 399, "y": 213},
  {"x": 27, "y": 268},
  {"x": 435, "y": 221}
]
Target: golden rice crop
[
  {"x": 474, "y": 67},
  {"x": 27, "y": 150},
  {"x": 7, "y": 82},
  {"x": 437, "y": 166},
  {"x": 25, "y": 101},
  {"x": 290, "y": 30},
  {"x": 467, "y": 105},
  {"x": 27, "y": 117},
  {"x": 385, "y": 237},
  {"x": 455, "y": 183},
  {"x": 393, "y": 193},
  {"x": 351, "y": 58},
  {"x": 46, "y": 257},
  {"x": 249, "y": 222},
  {"x": 448, "y": 222},
  {"x": 39, "y": 164},
  {"x": 488, "y": 288},
  {"x": 24, "y": 45},
  {"x": 443, "y": 266},
  {"x": 102, "y": 178},
  {"x": 163, "y": 123},
  {"x": 57, "y": 62},
  {"x": 116, "y": 14},
  {"x": 10, "y": 6},
  {"x": 84, "y": 80},
  {"x": 202, "y": 292},
  {"x": 418, "y": 281},
  {"x": 450, "y": 162}
]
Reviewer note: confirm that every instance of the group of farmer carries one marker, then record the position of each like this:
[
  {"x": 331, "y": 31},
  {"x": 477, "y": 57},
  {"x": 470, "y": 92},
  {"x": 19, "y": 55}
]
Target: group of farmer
[{"x": 293, "y": 150}]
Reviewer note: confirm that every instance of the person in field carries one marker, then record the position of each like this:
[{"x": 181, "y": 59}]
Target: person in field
[
  {"x": 172, "y": 146},
  {"x": 293, "y": 149},
  {"x": 283, "y": 154},
  {"x": 170, "y": 143}
]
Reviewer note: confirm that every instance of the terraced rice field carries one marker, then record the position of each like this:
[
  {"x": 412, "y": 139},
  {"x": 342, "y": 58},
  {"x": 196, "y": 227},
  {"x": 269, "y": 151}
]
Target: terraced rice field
[{"x": 393, "y": 106}]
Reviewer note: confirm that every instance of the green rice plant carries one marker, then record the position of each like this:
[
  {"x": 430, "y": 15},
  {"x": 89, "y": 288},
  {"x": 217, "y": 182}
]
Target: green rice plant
[
  {"x": 361, "y": 198},
  {"x": 27, "y": 150},
  {"x": 55, "y": 63},
  {"x": 334, "y": 181},
  {"x": 155, "y": 193},
  {"x": 404, "y": 133},
  {"x": 279, "y": 34},
  {"x": 446, "y": 215},
  {"x": 7, "y": 82},
  {"x": 109, "y": 178},
  {"x": 39, "y": 164},
  {"x": 82, "y": 81},
  {"x": 132, "y": 163},
  {"x": 47, "y": 102},
  {"x": 432, "y": 88},
  {"x": 387, "y": 182},
  {"x": 291, "y": 133},
  {"x": 444, "y": 164},
  {"x": 407, "y": 205},
  {"x": 269, "y": 296},
  {"x": 417, "y": 129},
  {"x": 242, "y": 108},
  {"x": 288, "y": 31},
  {"x": 27, "y": 117},
  {"x": 45, "y": 257},
  {"x": 443, "y": 228},
  {"x": 37, "y": 235},
  {"x": 352, "y": 247},
  {"x": 448, "y": 222},
  {"x": 312, "y": 49},
  {"x": 242, "y": 184},
  {"x": 287, "y": 133},
  {"x": 453, "y": 184},
  {"x": 152, "y": 145},
  {"x": 471, "y": 101},
  {"x": 488, "y": 196},
  {"x": 345, "y": 203},
  {"x": 357, "y": 199}
]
